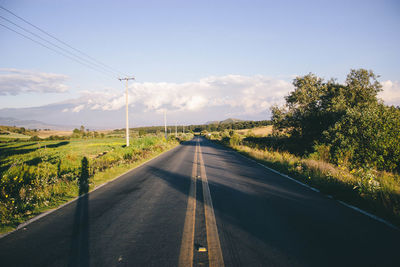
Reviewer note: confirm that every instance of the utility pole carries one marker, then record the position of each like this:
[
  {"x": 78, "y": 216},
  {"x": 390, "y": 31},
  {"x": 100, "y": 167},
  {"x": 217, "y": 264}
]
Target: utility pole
[
  {"x": 176, "y": 129},
  {"x": 183, "y": 129},
  {"x": 126, "y": 108},
  {"x": 165, "y": 124}
]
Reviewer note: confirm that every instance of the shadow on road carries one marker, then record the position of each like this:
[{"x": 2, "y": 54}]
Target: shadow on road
[
  {"x": 79, "y": 250},
  {"x": 279, "y": 215}
]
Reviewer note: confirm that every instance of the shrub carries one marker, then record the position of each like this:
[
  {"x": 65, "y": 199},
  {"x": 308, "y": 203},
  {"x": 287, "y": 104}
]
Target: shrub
[
  {"x": 235, "y": 140},
  {"x": 369, "y": 137},
  {"x": 35, "y": 138}
]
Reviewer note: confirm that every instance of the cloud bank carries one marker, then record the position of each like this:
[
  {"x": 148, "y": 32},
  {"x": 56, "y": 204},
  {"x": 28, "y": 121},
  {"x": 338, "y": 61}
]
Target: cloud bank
[
  {"x": 246, "y": 95},
  {"x": 15, "y": 82},
  {"x": 238, "y": 94},
  {"x": 210, "y": 98}
]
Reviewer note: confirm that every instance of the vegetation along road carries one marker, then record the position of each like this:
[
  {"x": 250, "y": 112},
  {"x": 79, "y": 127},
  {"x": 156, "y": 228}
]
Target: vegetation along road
[{"x": 202, "y": 205}]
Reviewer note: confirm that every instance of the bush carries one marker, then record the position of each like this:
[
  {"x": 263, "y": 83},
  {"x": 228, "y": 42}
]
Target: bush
[
  {"x": 234, "y": 140},
  {"x": 35, "y": 138},
  {"x": 368, "y": 137}
]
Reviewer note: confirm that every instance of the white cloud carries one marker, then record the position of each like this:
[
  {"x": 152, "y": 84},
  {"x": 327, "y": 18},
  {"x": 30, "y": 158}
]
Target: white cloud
[
  {"x": 15, "y": 82},
  {"x": 391, "y": 92},
  {"x": 246, "y": 94},
  {"x": 78, "y": 108}
]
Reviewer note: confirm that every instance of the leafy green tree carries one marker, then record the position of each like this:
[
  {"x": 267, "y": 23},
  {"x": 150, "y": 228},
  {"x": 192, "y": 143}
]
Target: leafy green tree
[
  {"x": 363, "y": 88},
  {"x": 315, "y": 105},
  {"x": 346, "y": 119}
]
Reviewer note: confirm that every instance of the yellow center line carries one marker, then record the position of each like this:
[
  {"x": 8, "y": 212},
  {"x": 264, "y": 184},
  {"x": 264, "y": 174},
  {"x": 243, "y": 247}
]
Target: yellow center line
[
  {"x": 215, "y": 257},
  {"x": 187, "y": 244}
]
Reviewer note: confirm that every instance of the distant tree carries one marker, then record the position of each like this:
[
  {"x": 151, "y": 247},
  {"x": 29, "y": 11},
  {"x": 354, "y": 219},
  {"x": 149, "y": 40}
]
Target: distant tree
[{"x": 35, "y": 138}]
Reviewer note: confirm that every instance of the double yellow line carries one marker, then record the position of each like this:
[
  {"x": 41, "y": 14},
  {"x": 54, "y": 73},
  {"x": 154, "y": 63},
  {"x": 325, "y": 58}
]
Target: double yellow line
[{"x": 187, "y": 246}]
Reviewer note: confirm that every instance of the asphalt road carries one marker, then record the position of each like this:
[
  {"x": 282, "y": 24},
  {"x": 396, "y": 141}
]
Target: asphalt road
[{"x": 204, "y": 205}]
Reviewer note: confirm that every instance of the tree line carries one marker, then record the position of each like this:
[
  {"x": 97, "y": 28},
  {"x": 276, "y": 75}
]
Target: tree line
[{"x": 201, "y": 127}]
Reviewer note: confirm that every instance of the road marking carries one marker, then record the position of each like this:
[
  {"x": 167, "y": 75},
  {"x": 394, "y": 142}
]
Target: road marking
[
  {"x": 202, "y": 249},
  {"x": 214, "y": 246},
  {"x": 368, "y": 214},
  {"x": 187, "y": 244}
]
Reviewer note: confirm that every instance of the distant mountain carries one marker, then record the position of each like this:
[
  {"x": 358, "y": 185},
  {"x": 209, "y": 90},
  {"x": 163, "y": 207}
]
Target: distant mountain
[
  {"x": 31, "y": 124},
  {"x": 59, "y": 116},
  {"x": 229, "y": 120}
]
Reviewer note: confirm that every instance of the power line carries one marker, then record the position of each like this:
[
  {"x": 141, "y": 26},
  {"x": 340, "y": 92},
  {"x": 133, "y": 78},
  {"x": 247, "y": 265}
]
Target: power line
[
  {"x": 64, "y": 43},
  {"x": 54, "y": 50},
  {"x": 51, "y": 43}
]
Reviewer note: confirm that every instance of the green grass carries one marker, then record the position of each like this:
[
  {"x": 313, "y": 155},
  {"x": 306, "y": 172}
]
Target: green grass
[
  {"x": 12, "y": 135},
  {"x": 38, "y": 176}
]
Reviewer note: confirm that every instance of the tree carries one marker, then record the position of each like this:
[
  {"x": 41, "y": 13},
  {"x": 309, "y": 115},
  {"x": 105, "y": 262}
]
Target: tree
[
  {"x": 303, "y": 115},
  {"x": 363, "y": 88},
  {"x": 315, "y": 105},
  {"x": 345, "y": 118}
]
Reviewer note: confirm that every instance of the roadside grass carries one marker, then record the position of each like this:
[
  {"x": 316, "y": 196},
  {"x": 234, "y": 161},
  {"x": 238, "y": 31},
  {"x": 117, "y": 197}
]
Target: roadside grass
[
  {"x": 112, "y": 173},
  {"x": 374, "y": 191},
  {"x": 40, "y": 176}
]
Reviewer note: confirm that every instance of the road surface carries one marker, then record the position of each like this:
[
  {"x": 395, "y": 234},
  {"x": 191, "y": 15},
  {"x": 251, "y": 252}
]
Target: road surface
[{"x": 202, "y": 205}]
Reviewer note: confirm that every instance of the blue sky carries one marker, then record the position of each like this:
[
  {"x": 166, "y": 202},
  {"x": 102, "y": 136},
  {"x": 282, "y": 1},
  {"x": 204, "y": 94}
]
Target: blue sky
[{"x": 183, "y": 42}]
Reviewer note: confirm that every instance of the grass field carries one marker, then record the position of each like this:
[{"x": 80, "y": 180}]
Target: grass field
[
  {"x": 45, "y": 134},
  {"x": 259, "y": 131},
  {"x": 11, "y": 135},
  {"x": 36, "y": 176}
]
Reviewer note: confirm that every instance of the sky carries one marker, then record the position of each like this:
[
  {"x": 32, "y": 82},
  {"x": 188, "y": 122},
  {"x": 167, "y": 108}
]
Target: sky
[{"x": 198, "y": 60}]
